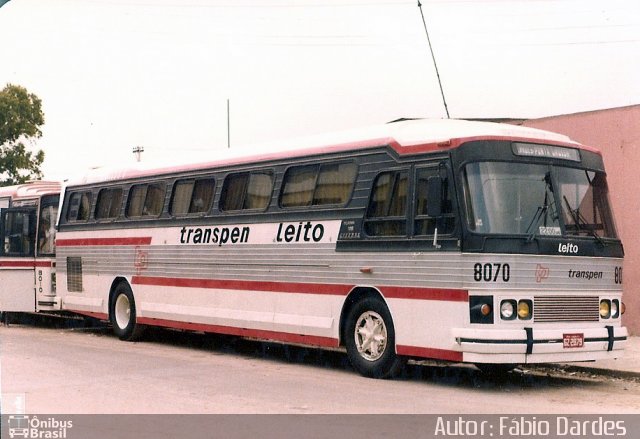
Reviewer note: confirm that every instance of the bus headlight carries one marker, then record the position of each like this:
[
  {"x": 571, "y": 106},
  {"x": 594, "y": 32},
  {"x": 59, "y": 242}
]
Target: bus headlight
[
  {"x": 605, "y": 308},
  {"x": 508, "y": 309},
  {"x": 615, "y": 309},
  {"x": 525, "y": 309}
]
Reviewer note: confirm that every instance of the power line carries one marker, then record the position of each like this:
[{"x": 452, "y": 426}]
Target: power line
[{"x": 433, "y": 57}]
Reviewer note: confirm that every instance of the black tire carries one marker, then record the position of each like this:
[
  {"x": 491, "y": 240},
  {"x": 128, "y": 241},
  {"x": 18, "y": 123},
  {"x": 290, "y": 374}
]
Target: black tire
[
  {"x": 122, "y": 314},
  {"x": 371, "y": 341}
]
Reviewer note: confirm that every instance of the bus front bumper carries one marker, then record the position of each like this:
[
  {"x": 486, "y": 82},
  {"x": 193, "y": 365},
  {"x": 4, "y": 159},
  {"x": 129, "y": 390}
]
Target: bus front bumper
[{"x": 540, "y": 345}]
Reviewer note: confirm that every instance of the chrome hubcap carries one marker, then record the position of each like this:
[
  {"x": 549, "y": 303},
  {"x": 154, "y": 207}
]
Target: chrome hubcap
[
  {"x": 122, "y": 311},
  {"x": 370, "y": 336}
]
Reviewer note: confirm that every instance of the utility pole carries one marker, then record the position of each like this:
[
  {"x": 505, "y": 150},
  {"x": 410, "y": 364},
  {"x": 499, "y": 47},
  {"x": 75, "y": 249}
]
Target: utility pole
[
  {"x": 138, "y": 150},
  {"x": 228, "y": 126}
]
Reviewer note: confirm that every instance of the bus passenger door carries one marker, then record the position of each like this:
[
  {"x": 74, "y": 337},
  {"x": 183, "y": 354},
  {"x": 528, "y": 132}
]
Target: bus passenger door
[
  {"x": 46, "y": 299},
  {"x": 17, "y": 261}
]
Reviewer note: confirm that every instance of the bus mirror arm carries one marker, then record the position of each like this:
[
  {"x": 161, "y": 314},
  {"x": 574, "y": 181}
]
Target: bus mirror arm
[{"x": 435, "y": 239}]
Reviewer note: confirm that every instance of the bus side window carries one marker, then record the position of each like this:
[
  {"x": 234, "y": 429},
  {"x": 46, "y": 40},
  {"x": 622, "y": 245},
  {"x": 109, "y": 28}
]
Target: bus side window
[
  {"x": 109, "y": 203},
  {"x": 247, "y": 191},
  {"x": 335, "y": 184},
  {"x": 298, "y": 186},
  {"x": 318, "y": 185},
  {"x": 79, "y": 206},
  {"x": 387, "y": 210},
  {"x": 145, "y": 200},
  {"x": 19, "y": 233},
  {"x": 192, "y": 196}
]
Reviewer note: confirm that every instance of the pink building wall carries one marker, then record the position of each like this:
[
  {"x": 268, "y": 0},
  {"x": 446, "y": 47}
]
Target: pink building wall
[{"x": 615, "y": 132}]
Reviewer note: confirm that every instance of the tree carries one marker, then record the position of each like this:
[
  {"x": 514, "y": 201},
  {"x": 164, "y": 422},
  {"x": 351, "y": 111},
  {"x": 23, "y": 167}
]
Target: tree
[{"x": 20, "y": 120}]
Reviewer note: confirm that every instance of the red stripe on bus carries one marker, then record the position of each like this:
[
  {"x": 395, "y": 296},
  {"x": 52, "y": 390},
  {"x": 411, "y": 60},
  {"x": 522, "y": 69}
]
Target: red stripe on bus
[
  {"x": 448, "y": 295},
  {"x": 228, "y": 284},
  {"x": 286, "y": 337},
  {"x": 436, "y": 354},
  {"x": 82, "y": 242},
  {"x": 28, "y": 264},
  {"x": 444, "y": 294},
  {"x": 453, "y": 143}
]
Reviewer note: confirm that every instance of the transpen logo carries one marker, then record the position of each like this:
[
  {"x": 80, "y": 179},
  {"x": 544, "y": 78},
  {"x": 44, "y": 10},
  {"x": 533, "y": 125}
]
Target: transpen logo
[{"x": 542, "y": 273}]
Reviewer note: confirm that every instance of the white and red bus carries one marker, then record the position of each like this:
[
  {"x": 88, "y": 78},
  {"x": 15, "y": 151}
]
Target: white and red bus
[
  {"x": 454, "y": 240},
  {"x": 28, "y": 214}
]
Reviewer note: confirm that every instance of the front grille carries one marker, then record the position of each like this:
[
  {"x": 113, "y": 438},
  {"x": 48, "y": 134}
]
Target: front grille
[{"x": 566, "y": 309}]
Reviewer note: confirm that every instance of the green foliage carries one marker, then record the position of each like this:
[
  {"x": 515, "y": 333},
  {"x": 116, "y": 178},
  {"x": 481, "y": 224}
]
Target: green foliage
[{"x": 20, "y": 120}]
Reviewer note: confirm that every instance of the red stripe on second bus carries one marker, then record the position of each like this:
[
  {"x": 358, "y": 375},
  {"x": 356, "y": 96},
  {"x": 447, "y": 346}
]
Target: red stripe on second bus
[
  {"x": 25, "y": 264},
  {"x": 82, "y": 242},
  {"x": 448, "y": 295}
]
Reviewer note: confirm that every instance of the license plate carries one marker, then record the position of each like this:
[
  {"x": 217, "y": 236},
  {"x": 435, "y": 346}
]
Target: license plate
[{"x": 570, "y": 341}]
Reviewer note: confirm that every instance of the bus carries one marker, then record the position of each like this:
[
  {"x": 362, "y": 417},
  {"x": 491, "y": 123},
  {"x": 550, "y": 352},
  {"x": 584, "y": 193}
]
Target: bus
[
  {"x": 452, "y": 240},
  {"x": 28, "y": 214}
]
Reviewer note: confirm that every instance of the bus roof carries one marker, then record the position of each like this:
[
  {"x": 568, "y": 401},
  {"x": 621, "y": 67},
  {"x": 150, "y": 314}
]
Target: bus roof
[
  {"x": 30, "y": 190},
  {"x": 406, "y": 137}
]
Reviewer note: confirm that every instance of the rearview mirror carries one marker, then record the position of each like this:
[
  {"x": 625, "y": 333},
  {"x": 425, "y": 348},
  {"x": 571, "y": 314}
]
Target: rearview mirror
[{"x": 434, "y": 196}]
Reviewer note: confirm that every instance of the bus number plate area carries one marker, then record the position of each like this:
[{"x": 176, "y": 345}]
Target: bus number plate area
[{"x": 570, "y": 341}]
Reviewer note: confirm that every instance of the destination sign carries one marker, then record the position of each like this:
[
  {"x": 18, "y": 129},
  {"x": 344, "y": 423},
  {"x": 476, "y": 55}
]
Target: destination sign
[{"x": 549, "y": 151}]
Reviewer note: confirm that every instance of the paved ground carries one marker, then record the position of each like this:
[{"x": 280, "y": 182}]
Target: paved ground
[
  {"x": 627, "y": 366},
  {"x": 90, "y": 371}
]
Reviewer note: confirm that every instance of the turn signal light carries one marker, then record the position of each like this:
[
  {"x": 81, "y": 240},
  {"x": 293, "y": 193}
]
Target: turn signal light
[{"x": 481, "y": 309}]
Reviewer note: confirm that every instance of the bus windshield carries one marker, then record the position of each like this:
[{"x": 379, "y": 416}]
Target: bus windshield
[{"x": 536, "y": 200}]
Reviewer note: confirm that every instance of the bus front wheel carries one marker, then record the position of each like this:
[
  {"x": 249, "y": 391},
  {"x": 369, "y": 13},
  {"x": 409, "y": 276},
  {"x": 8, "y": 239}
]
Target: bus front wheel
[
  {"x": 370, "y": 339},
  {"x": 122, "y": 314}
]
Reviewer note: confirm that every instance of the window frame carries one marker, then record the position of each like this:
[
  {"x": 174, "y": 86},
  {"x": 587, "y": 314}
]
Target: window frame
[
  {"x": 111, "y": 191},
  {"x": 222, "y": 202},
  {"x": 161, "y": 185},
  {"x": 194, "y": 182},
  {"x": 368, "y": 219},
  {"x": 319, "y": 168},
  {"x": 85, "y": 193}
]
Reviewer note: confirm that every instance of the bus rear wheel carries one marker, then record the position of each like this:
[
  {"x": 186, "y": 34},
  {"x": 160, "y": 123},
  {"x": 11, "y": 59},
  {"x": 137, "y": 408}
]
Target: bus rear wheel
[
  {"x": 370, "y": 339},
  {"x": 122, "y": 313}
]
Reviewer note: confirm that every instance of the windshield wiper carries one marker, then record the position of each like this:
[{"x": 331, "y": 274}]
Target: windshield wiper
[
  {"x": 536, "y": 219},
  {"x": 580, "y": 220},
  {"x": 542, "y": 210}
]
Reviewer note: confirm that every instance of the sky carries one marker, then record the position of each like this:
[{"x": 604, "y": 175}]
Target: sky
[{"x": 115, "y": 74}]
